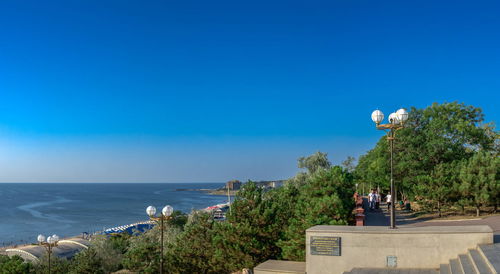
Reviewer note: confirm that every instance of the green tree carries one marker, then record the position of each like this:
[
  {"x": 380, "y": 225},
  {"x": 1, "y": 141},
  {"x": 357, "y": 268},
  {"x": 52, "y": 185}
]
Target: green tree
[
  {"x": 143, "y": 252},
  {"x": 373, "y": 167},
  {"x": 252, "y": 230},
  {"x": 57, "y": 265},
  {"x": 349, "y": 163},
  {"x": 259, "y": 225},
  {"x": 315, "y": 162},
  {"x": 479, "y": 180},
  {"x": 105, "y": 255},
  {"x": 87, "y": 262},
  {"x": 177, "y": 219},
  {"x": 437, "y": 189},
  {"x": 192, "y": 251},
  {"x": 438, "y": 135},
  {"x": 14, "y": 265},
  {"x": 326, "y": 199}
]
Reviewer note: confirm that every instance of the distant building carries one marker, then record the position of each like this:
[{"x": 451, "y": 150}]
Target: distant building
[{"x": 233, "y": 185}]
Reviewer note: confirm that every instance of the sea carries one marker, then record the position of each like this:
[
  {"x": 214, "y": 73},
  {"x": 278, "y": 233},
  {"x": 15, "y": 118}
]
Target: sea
[{"x": 69, "y": 209}]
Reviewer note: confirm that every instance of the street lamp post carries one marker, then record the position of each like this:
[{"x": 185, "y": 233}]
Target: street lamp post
[
  {"x": 48, "y": 243},
  {"x": 165, "y": 215},
  {"x": 396, "y": 122}
]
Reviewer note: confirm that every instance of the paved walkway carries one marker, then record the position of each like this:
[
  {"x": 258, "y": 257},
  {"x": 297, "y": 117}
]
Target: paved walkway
[
  {"x": 381, "y": 217},
  {"x": 377, "y": 217}
]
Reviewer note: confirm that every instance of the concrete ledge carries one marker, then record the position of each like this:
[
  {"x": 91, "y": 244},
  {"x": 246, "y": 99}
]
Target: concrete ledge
[
  {"x": 402, "y": 230},
  {"x": 280, "y": 267},
  {"x": 410, "y": 247}
]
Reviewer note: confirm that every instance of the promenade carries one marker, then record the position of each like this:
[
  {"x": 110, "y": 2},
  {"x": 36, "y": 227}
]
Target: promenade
[{"x": 381, "y": 217}]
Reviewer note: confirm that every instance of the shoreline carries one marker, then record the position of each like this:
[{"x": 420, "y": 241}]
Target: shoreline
[
  {"x": 218, "y": 192},
  {"x": 12, "y": 238}
]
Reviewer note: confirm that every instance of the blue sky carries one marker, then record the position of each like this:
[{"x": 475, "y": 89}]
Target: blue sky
[{"x": 193, "y": 91}]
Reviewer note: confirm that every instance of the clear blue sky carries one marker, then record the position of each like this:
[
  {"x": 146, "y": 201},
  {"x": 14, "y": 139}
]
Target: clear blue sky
[{"x": 183, "y": 91}]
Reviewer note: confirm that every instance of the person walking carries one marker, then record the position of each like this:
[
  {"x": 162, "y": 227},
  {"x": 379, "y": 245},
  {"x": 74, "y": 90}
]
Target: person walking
[
  {"x": 372, "y": 199},
  {"x": 377, "y": 200},
  {"x": 388, "y": 201}
]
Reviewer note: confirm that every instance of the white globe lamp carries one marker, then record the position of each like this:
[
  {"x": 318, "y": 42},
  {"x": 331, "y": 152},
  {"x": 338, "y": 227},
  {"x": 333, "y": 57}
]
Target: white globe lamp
[
  {"x": 167, "y": 211},
  {"x": 393, "y": 118},
  {"x": 377, "y": 116},
  {"x": 40, "y": 238},
  {"x": 151, "y": 211},
  {"x": 402, "y": 115}
]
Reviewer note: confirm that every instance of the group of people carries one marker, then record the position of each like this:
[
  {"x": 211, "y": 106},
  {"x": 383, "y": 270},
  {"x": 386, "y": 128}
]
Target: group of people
[{"x": 374, "y": 200}]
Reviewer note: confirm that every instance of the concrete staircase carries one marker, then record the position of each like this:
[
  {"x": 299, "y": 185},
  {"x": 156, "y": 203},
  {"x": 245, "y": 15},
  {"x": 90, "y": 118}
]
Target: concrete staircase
[
  {"x": 483, "y": 260},
  {"x": 391, "y": 271}
]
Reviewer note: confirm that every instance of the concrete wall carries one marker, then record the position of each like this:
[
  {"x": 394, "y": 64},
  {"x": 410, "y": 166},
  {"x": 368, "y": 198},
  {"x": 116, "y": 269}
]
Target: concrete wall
[{"x": 415, "y": 247}]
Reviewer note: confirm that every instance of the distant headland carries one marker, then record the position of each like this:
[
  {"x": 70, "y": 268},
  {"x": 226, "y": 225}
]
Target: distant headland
[{"x": 233, "y": 186}]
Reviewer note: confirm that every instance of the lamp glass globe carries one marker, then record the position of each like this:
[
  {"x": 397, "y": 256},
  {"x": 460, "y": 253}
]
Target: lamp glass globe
[
  {"x": 50, "y": 240},
  {"x": 55, "y": 238},
  {"x": 167, "y": 211},
  {"x": 402, "y": 115},
  {"x": 151, "y": 211},
  {"x": 377, "y": 116},
  {"x": 393, "y": 118},
  {"x": 40, "y": 238}
]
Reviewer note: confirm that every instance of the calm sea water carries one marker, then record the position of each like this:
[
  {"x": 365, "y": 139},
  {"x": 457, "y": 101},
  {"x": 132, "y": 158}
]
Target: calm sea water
[{"x": 27, "y": 210}]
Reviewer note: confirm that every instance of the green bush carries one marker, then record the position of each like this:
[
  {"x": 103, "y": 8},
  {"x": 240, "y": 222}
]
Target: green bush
[{"x": 14, "y": 265}]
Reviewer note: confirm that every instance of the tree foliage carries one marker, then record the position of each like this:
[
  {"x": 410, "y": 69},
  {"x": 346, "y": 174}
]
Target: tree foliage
[
  {"x": 142, "y": 253},
  {"x": 326, "y": 199},
  {"x": 266, "y": 224},
  {"x": 314, "y": 162},
  {"x": 479, "y": 180},
  {"x": 14, "y": 265},
  {"x": 432, "y": 155}
]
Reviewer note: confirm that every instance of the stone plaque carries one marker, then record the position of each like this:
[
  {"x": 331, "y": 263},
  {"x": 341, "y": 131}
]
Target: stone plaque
[
  {"x": 392, "y": 261},
  {"x": 326, "y": 246}
]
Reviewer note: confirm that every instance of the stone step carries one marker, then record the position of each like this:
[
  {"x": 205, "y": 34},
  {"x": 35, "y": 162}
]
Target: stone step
[
  {"x": 479, "y": 263},
  {"x": 455, "y": 267},
  {"x": 466, "y": 264},
  {"x": 491, "y": 253},
  {"x": 393, "y": 271},
  {"x": 444, "y": 269}
]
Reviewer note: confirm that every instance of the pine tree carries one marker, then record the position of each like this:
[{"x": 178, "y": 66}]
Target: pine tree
[{"x": 479, "y": 179}]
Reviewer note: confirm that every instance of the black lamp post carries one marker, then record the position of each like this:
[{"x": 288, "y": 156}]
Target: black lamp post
[
  {"x": 396, "y": 122},
  {"x": 165, "y": 215}
]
